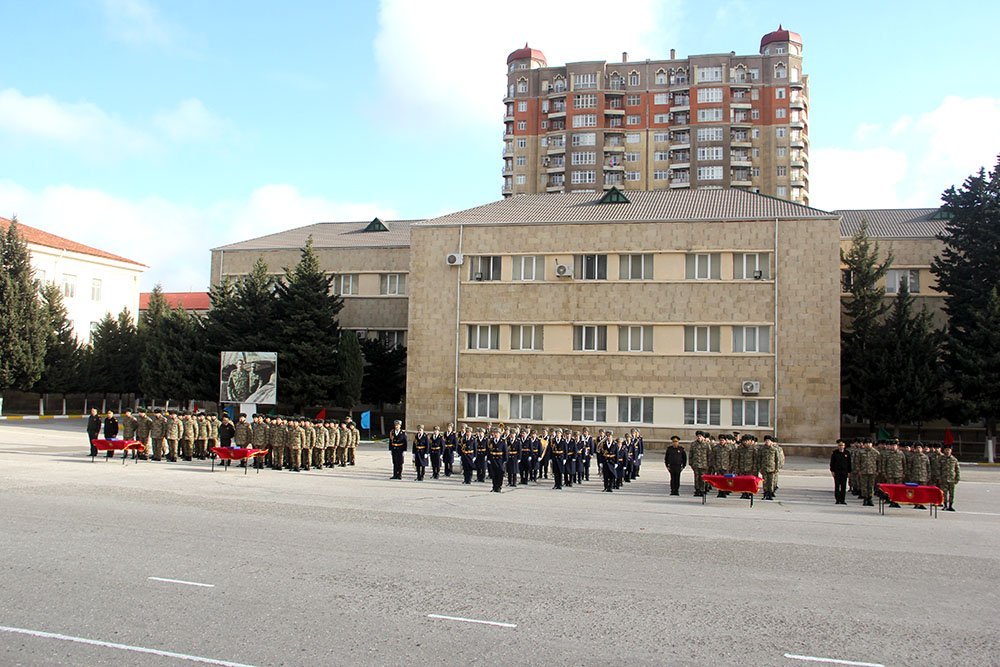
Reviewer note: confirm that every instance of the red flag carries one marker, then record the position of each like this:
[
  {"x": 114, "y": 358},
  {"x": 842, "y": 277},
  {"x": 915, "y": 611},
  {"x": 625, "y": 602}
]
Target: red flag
[
  {"x": 949, "y": 439},
  {"x": 321, "y": 414}
]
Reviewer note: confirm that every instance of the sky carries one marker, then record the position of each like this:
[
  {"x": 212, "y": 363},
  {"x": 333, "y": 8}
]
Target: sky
[{"x": 160, "y": 129}]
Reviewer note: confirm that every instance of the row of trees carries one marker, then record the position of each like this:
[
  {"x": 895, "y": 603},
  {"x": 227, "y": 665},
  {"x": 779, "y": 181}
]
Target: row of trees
[
  {"x": 173, "y": 354},
  {"x": 897, "y": 367}
]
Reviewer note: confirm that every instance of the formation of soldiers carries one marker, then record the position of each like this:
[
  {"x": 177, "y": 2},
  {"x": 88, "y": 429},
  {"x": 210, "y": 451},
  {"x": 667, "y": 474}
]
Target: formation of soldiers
[
  {"x": 888, "y": 462},
  {"x": 292, "y": 443},
  {"x": 519, "y": 455},
  {"x": 726, "y": 455}
]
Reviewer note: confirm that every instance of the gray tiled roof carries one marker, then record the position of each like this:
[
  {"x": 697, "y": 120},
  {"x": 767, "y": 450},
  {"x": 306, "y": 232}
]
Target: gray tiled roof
[
  {"x": 892, "y": 223},
  {"x": 331, "y": 235},
  {"x": 645, "y": 206}
]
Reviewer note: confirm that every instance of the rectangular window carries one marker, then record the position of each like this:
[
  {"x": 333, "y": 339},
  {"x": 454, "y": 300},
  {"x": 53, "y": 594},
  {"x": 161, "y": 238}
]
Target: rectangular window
[
  {"x": 779, "y": 93},
  {"x": 703, "y": 411},
  {"x": 894, "y": 279},
  {"x": 751, "y": 412},
  {"x": 661, "y": 137},
  {"x": 661, "y": 174},
  {"x": 631, "y": 157},
  {"x": 528, "y": 267},
  {"x": 522, "y": 125},
  {"x": 521, "y": 160},
  {"x": 484, "y": 336},
  {"x": 585, "y": 120},
  {"x": 484, "y": 267},
  {"x": 710, "y": 153},
  {"x": 590, "y": 338},
  {"x": 345, "y": 283},
  {"x": 392, "y": 283},
  {"x": 711, "y": 115},
  {"x": 781, "y": 191},
  {"x": 585, "y": 101},
  {"x": 702, "y": 338},
  {"x": 709, "y": 134},
  {"x": 482, "y": 406},
  {"x": 69, "y": 286},
  {"x": 635, "y": 339},
  {"x": 633, "y": 119},
  {"x": 520, "y": 179},
  {"x": 661, "y": 118},
  {"x": 583, "y": 177},
  {"x": 709, "y": 95},
  {"x": 782, "y": 171},
  {"x": 392, "y": 338},
  {"x": 660, "y": 98},
  {"x": 95, "y": 289},
  {"x": 752, "y": 339},
  {"x": 635, "y": 267},
  {"x": 754, "y": 114},
  {"x": 633, "y": 138},
  {"x": 590, "y": 408},
  {"x": 526, "y": 406},
  {"x": 709, "y": 74},
  {"x": 526, "y": 336},
  {"x": 781, "y": 151},
  {"x": 635, "y": 409},
  {"x": 583, "y": 158},
  {"x": 633, "y": 100},
  {"x": 661, "y": 156},
  {"x": 633, "y": 176},
  {"x": 747, "y": 264},
  {"x": 781, "y": 132},
  {"x": 780, "y": 112},
  {"x": 585, "y": 81},
  {"x": 584, "y": 139},
  {"x": 522, "y": 142},
  {"x": 590, "y": 267},
  {"x": 710, "y": 173},
  {"x": 522, "y": 106},
  {"x": 703, "y": 266}
]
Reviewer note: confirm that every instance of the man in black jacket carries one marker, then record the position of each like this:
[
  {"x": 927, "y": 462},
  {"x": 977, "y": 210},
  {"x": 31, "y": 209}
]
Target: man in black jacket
[
  {"x": 840, "y": 468},
  {"x": 675, "y": 459},
  {"x": 93, "y": 430},
  {"x": 110, "y": 429}
]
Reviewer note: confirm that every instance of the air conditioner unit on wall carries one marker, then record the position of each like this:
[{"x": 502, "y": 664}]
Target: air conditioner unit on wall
[
  {"x": 750, "y": 387},
  {"x": 455, "y": 259},
  {"x": 564, "y": 271}
]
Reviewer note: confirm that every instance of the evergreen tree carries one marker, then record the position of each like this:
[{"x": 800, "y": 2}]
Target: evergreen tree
[
  {"x": 165, "y": 362},
  {"x": 861, "y": 342},
  {"x": 307, "y": 332},
  {"x": 127, "y": 363},
  {"x": 352, "y": 369},
  {"x": 23, "y": 327},
  {"x": 104, "y": 345},
  {"x": 968, "y": 272},
  {"x": 385, "y": 373},
  {"x": 63, "y": 354}
]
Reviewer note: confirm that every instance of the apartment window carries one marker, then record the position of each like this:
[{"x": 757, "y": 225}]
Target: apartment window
[
  {"x": 781, "y": 112},
  {"x": 635, "y": 409},
  {"x": 526, "y": 406},
  {"x": 522, "y": 86},
  {"x": 661, "y": 156},
  {"x": 591, "y": 267},
  {"x": 584, "y": 139},
  {"x": 661, "y": 118},
  {"x": 710, "y": 153},
  {"x": 711, "y": 115},
  {"x": 482, "y": 406},
  {"x": 633, "y": 119},
  {"x": 710, "y": 173},
  {"x": 522, "y": 125},
  {"x": 522, "y": 106},
  {"x": 709, "y": 134},
  {"x": 755, "y": 134},
  {"x": 631, "y": 157},
  {"x": 521, "y": 160},
  {"x": 585, "y": 80},
  {"x": 781, "y": 132},
  {"x": 633, "y": 79},
  {"x": 590, "y": 408},
  {"x": 583, "y": 158},
  {"x": 392, "y": 283},
  {"x": 661, "y": 174},
  {"x": 522, "y": 142},
  {"x": 585, "y": 101},
  {"x": 747, "y": 264},
  {"x": 661, "y": 137},
  {"x": 702, "y": 338},
  {"x": 709, "y": 95},
  {"x": 754, "y": 74},
  {"x": 392, "y": 338},
  {"x": 585, "y": 120},
  {"x": 484, "y": 336},
  {"x": 754, "y": 94},
  {"x": 633, "y": 138},
  {"x": 635, "y": 267},
  {"x": 894, "y": 279},
  {"x": 590, "y": 338},
  {"x": 95, "y": 289},
  {"x": 660, "y": 98},
  {"x": 345, "y": 283},
  {"x": 752, "y": 339},
  {"x": 528, "y": 267},
  {"x": 635, "y": 339},
  {"x": 701, "y": 411},
  {"x": 781, "y": 151},
  {"x": 781, "y": 191},
  {"x": 661, "y": 78},
  {"x": 755, "y": 114},
  {"x": 484, "y": 267},
  {"x": 69, "y": 286},
  {"x": 526, "y": 337},
  {"x": 756, "y": 170},
  {"x": 520, "y": 179},
  {"x": 93, "y": 330},
  {"x": 633, "y": 176},
  {"x": 579, "y": 177},
  {"x": 751, "y": 412},
  {"x": 780, "y": 71},
  {"x": 782, "y": 171},
  {"x": 709, "y": 74},
  {"x": 633, "y": 100}
]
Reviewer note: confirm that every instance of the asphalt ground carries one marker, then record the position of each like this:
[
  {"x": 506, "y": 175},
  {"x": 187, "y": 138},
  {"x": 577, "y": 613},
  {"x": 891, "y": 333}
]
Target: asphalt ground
[{"x": 345, "y": 566}]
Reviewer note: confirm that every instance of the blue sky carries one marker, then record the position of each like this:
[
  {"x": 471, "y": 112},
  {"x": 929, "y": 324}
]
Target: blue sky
[{"x": 159, "y": 130}]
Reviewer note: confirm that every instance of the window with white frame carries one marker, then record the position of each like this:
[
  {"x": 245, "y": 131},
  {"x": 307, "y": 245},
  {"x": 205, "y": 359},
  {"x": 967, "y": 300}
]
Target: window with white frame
[
  {"x": 583, "y": 158},
  {"x": 661, "y": 174},
  {"x": 710, "y": 115},
  {"x": 702, "y": 411},
  {"x": 69, "y": 286},
  {"x": 635, "y": 267},
  {"x": 520, "y": 179},
  {"x": 392, "y": 284},
  {"x": 710, "y": 173},
  {"x": 633, "y": 119},
  {"x": 661, "y": 137},
  {"x": 484, "y": 336},
  {"x": 583, "y": 139},
  {"x": 710, "y": 153},
  {"x": 661, "y": 98},
  {"x": 754, "y": 93},
  {"x": 781, "y": 151},
  {"x": 782, "y": 171},
  {"x": 522, "y": 125},
  {"x": 590, "y": 338},
  {"x": 661, "y": 78},
  {"x": 522, "y": 142},
  {"x": 585, "y": 120},
  {"x": 709, "y": 95},
  {"x": 345, "y": 283},
  {"x": 528, "y": 267},
  {"x": 754, "y": 114},
  {"x": 747, "y": 264},
  {"x": 779, "y": 93},
  {"x": 587, "y": 80},
  {"x": 631, "y": 157},
  {"x": 578, "y": 177},
  {"x": 633, "y": 176},
  {"x": 755, "y": 412},
  {"x": 93, "y": 330},
  {"x": 780, "y": 71},
  {"x": 521, "y": 160},
  {"x": 633, "y": 78},
  {"x": 754, "y": 74},
  {"x": 585, "y": 101},
  {"x": 661, "y": 156},
  {"x": 484, "y": 267},
  {"x": 527, "y": 337},
  {"x": 781, "y": 132},
  {"x": 709, "y": 74},
  {"x": 703, "y": 266},
  {"x": 781, "y": 112},
  {"x": 781, "y": 191},
  {"x": 482, "y": 406},
  {"x": 590, "y": 408},
  {"x": 633, "y": 100},
  {"x": 661, "y": 118},
  {"x": 635, "y": 338},
  {"x": 709, "y": 134},
  {"x": 95, "y": 289},
  {"x": 894, "y": 279},
  {"x": 752, "y": 339},
  {"x": 702, "y": 338},
  {"x": 526, "y": 406},
  {"x": 392, "y": 338},
  {"x": 522, "y": 106},
  {"x": 522, "y": 85},
  {"x": 590, "y": 267},
  {"x": 635, "y": 409},
  {"x": 633, "y": 138}
]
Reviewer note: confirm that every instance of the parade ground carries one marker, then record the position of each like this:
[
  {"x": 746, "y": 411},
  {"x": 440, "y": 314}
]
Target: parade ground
[{"x": 165, "y": 564}]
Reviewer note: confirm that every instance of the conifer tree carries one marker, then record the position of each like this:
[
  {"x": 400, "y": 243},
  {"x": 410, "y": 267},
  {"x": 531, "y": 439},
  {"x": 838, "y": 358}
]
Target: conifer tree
[
  {"x": 63, "y": 355},
  {"x": 351, "y": 364},
  {"x": 23, "y": 328}
]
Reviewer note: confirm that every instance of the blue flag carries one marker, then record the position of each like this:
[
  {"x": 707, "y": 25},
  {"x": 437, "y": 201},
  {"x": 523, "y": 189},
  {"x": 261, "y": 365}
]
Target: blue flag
[{"x": 366, "y": 419}]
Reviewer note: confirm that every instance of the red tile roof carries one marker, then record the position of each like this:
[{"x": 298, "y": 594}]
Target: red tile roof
[
  {"x": 780, "y": 35},
  {"x": 526, "y": 52},
  {"x": 42, "y": 238},
  {"x": 186, "y": 300}
]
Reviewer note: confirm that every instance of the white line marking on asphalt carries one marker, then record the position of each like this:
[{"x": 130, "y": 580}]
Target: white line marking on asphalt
[
  {"x": 123, "y": 647},
  {"x": 472, "y": 620},
  {"x": 178, "y": 581},
  {"x": 810, "y": 658}
]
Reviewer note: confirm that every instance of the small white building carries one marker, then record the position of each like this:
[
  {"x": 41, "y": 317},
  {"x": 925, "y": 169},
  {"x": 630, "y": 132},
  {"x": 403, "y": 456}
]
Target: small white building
[{"x": 94, "y": 282}]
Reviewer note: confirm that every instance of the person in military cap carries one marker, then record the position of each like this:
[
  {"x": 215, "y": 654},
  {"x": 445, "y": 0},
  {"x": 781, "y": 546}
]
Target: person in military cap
[
  {"x": 767, "y": 463},
  {"x": 421, "y": 444},
  {"x": 840, "y": 469},
  {"x": 868, "y": 463},
  {"x": 948, "y": 475},
  {"x": 189, "y": 432},
  {"x": 480, "y": 457},
  {"x": 174, "y": 429},
  {"x": 608, "y": 450},
  {"x": 557, "y": 454},
  {"x": 157, "y": 433},
  {"x": 450, "y": 446},
  {"x": 143, "y": 425},
  {"x": 496, "y": 454},
  {"x": 129, "y": 423},
  {"x": 258, "y": 439},
  {"x": 675, "y": 459},
  {"x": 894, "y": 467},
  {"x": 436, "y": 449},
  {"x": 699, "y": 460},
  {"x": 467, "y": 454}
]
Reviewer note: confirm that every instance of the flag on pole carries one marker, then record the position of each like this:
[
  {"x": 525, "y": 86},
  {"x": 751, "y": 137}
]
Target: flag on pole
[
  {"x": 321, "y": 414},
  {"x": 949, "y": 438},
  {"x": 366, "y": 419},
  {"x": 883, "y": 434}
]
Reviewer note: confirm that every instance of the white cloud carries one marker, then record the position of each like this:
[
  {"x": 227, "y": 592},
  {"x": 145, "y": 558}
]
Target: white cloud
[
  {"x": 173, "y": 239},
  {"x": 137, "y": 22},
  {"x": 443, "y": 62},
  {"x": 191, "y": 121},
  {"x": 844, "y": 178}
]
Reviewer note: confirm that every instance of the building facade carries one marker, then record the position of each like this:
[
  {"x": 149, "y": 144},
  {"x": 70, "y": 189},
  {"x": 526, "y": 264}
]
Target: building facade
[
  {"x": 707, "y": 121},
  {"x": 369, "y": 261},
  {"x": 669, "y": 311},
  {"x": 93, "y": 282}
]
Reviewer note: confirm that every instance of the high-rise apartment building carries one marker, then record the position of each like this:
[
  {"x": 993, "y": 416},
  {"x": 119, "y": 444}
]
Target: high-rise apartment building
[{"x": 708, "y": 121}]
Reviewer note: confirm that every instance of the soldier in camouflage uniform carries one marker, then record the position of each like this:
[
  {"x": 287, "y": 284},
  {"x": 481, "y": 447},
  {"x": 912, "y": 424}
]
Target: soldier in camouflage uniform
[
  {"x": 948, "y": 474},
  {"x": 698, "y": 459},
  {"x": 919, "y": 469},
  {"x": 243, "y": 435},
  {"x": 173, "y": 435},
  {"x": 143, "y": 426},
  {"x": 781, "y": 463},
  {"x": 745, "y": 459},
  {"x": 342, "y": 445},
  {"x": 296, "y": 437},
  {"x": 894, "y": 467},
  {"x": 189, "y": 433},
  {"x": 352, "y": 444},
  {"x": 128, "y": 423},
  {"x": 768, "y": 463},
  {"x": 868, "y": 463},
  {"x": 276, "y": 442},
  {"x": 308, "y": 443},
  {"x": 319, "y": 447},
  {"x": 332, "y": 438},
  {"x": 720, "y": 460},
  {"x": 933, "y": 457},
  {"x": 157, "y": 432},
  {"x": 852, "y": 479},
  {"x": 213, "y": 434},
  {"x": 258, "y": 439},
  {"x": 201, "y": 436}
]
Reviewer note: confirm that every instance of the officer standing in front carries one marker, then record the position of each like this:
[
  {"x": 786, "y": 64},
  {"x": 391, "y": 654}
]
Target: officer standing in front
[
  {"x": 840, "y": 468},
  {"x": 397, "y": 448},
  {"x": 676, "y": 460}
]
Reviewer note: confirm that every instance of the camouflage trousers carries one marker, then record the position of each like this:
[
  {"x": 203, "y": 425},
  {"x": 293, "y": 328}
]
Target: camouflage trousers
[
  {"x": 293, "y": 457},
  {"x": 157, "y": 448},
  {"x": 172, "y": 449},
  {"x": 350, "y": 455},
  {"x": 699, "y": 483},
  {"x": 317, "y": 456},
  {"x": 866, "y": 485},
  {"x": 277, "y": 456},
  {"x": 341, "y": 455},
  {"x": 949, "y": 493},
  {"x": 329, "y": 455},
  {"x": 769, "y": 479},
  {"x": 187, "y": 448}
]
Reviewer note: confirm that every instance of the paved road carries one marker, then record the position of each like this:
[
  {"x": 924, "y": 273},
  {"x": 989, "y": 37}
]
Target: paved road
[{"x": 347, "y": 567}]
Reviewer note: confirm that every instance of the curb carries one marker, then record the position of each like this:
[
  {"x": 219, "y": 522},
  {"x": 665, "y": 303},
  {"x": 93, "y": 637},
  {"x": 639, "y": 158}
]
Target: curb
[{"x": 24, "y": 417}]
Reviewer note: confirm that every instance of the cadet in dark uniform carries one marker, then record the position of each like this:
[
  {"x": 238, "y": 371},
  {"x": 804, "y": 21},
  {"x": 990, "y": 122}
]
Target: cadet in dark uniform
[
  {"x": 524, "y": 455},
  {"x": 608, "y": 456},
  {"x": 513, "y": 455},
  {"x": 675, "y": 460},
  {"x": 110, "y": 430},
  {"x": 569, "y": 460},
  {"x": 480, "y": 458},
  {"x": 587, "y": 444},
  {"x": 397, "y": 448},
  {"x": 536, "y": 455},
  {"x": 640, "y": 449},
  {"x": 93, "y": 430},
  {"x": 420, "y": 447},
  {"x": 450, "y": 445},
  {"x": 436, "y": 443},
  {"x": 497, "y": 458},
  {"x": 556, "y": 453},
  {"x": 840, "y": 468},
  {"x": 467, "y": 454}
]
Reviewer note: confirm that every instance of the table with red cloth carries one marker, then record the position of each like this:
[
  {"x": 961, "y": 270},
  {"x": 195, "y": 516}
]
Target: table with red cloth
[
  {"x": 910, "y": 494},
  {"x": 126, "y": 446},
  {"x": 236, "y": 454},
  {"x": 749, "y": 484}
]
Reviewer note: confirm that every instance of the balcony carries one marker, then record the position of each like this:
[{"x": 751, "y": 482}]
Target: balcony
[
  {"x": 558, "y": 187},
  {"x": 738, "y": 160},
  {"x": 680, "y": 120},
  {"x": 796, "y": 85},
  {"x": 797, "y": 143},
  {"x": 614, "y": 148},
  {"x": 741, "y": 104},
  {"x": 741, "y": 119},
  {"x": 508, "y": 117},
  {"x": 798, "y": 162},
  {"x": 557, "y": 112},
  {"x": 680, "y": 182},
  {"x": 614, "y": 165},
  {"x": 508, "y": 170},
  {"x": 797, "y": 124},
  {"x": 555, "y": 168},
  {"x": 611, "y": 111},
  {"x": 680, "y": 84},
  {"x": 740, "y": 182},
  {"x": 556, "y": 149},
  {"x": 740, "y": 139},
  {"x": 799, "y": 104}
]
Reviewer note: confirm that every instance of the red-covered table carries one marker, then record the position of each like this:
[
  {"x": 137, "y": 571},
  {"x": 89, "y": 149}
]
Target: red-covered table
[
  {"x": 126, "y": 446},
  {"x": 749, "y": 484},
  {"x": 236, "y": 454},
  {"x": 908, "y": 494}
]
